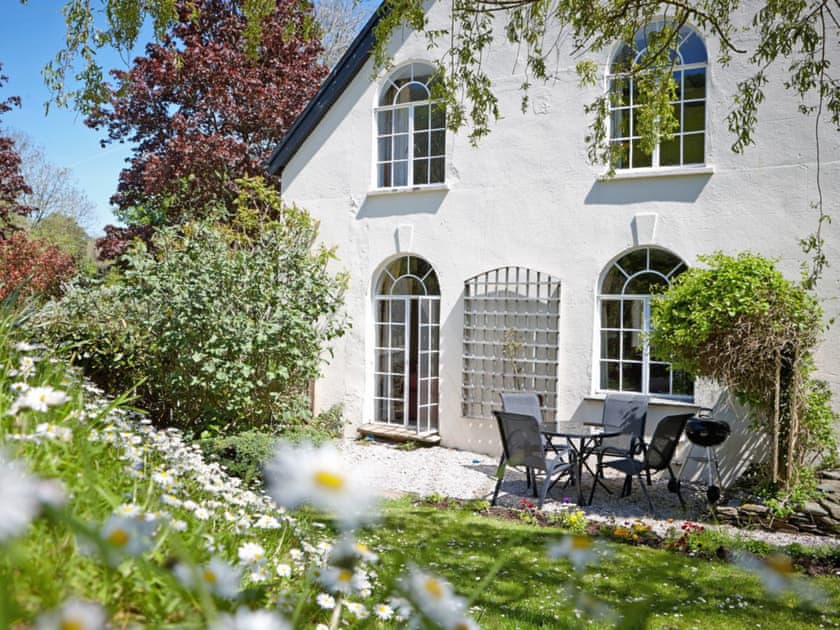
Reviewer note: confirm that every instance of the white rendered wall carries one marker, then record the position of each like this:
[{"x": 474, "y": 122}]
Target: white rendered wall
[{"x": 527, "y": 196}]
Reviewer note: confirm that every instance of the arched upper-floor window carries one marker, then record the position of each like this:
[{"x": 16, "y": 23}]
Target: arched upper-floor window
[
  {"x": 411, "y": 130},
  {"x": 689, "y": 60},
  {"x": 625, "y": 359}
]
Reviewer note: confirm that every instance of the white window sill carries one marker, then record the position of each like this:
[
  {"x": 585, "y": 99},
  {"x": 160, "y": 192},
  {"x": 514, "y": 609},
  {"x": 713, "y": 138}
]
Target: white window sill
[
  {"x": 655, "y": 401},
  {"x": 647, "y": 173},
  {"x": 402, "y": 190}
]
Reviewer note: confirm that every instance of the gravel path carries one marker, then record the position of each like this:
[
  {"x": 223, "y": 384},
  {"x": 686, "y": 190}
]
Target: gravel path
[{"x": 425, "y": 471}]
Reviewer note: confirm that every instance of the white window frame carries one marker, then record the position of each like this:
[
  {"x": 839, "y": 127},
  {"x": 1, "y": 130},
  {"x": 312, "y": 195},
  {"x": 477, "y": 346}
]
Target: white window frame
[
  {"x": 642, "y": 329},
  {"x": 680, "y": 70},
  {"x": 412, "y": 75}
]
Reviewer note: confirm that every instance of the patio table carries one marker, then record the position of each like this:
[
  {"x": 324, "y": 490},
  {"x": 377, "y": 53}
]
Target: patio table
[{"x": 582, "y": 440}]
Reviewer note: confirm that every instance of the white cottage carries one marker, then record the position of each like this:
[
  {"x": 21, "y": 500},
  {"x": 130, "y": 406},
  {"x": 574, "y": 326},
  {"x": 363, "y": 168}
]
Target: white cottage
[{"x": 517, "y": 264}]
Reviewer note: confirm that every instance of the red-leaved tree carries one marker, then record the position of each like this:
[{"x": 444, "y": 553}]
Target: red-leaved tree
[
  {"x": 12, "y": 183},
  {"x": 28, "y": 266},
  {"x": 32, "y": 267},
  {"x": 204, "y": 108}
]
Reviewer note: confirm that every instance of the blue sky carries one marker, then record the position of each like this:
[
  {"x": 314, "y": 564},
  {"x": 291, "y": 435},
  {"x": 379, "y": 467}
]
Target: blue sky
[{"x": 30, "y": 36}]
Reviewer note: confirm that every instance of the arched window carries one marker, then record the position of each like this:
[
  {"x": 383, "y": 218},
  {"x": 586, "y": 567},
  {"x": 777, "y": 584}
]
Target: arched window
[
  {"x": 411, "y": 130},
  {"x": 407, "y": 312},
  {"x": 624, "y": 304},
  {"x": 689, "y": 61}
]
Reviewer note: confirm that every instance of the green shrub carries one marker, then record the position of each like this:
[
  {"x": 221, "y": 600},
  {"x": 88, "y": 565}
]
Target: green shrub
[
  {"x": 740, "y": 322},
  {"x": 243, "y": 454},
  {"x": 221, "y": 326}
]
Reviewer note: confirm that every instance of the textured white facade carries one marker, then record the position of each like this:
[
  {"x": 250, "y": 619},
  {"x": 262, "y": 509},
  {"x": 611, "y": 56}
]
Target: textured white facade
[{"x": 527, "y": 196}]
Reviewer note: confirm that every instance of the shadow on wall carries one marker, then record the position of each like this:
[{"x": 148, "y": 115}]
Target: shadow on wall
[
  {"x": 419, "y": 201},
  {"x": 744, "y": 445},
  {"x": 479, "y": 435},
  {"x": 677, "y": 189}
]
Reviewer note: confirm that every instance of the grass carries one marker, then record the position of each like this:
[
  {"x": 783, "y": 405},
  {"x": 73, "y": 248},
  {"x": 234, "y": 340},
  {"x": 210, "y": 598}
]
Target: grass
[
  {"x": 112, "y": 463},
  {"x": 502, "y": 566}
]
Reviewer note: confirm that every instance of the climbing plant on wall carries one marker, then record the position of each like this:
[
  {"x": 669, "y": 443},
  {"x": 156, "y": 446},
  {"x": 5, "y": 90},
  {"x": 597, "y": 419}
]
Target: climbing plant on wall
[{"x": 740, "y": 322}]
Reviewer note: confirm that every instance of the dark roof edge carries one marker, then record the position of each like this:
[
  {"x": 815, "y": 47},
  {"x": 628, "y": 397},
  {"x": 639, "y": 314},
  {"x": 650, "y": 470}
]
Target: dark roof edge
[{"x": 329, "y": 92}]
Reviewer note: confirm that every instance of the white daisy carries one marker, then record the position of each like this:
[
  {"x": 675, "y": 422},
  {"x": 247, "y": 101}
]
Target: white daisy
[
  {"x": 348, "y": 552},
  {"x": 39, "y": 399},
  {"x": 357, "y": 610},
  {"x": 217, "y": 576},
  {"x": 131, "y": 510},
  {"x": 246, "y": 619},
  {"x": 21, "y": 497},
  {"x": 315, "y": 476},
  {"x": 74, "y": 613},
  {"x": 251, "y": 553},
  {"x": 325, "y": 601},
  {"x": 266, "y": 521},
  {"x": 284, "y": 570},
  {"x": 335, "y": 579},
  {"x": 53, "y": 431},
  {"x": 172, "y": 500},
  {"x": 580, "y": 550},
  {"x": 383, "y": 611},
  {"x": 437, "y": 600},
  {"x": 26, "y": 367},
  {"x": 126, "y": 536}
]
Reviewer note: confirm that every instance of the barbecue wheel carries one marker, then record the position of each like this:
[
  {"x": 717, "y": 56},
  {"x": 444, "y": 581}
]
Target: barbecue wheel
[
  {"x": 674, "y": 485},
  {"x": 713, "y": 494}
]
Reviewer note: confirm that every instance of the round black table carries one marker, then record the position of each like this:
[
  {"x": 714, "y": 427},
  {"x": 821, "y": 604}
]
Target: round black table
[{"x": 587, "y": 437}]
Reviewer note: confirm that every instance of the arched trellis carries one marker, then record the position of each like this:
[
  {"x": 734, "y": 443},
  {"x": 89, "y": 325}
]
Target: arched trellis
[
  {"x": 511, "y": 338},
  {"x": 407, "y": 321}
]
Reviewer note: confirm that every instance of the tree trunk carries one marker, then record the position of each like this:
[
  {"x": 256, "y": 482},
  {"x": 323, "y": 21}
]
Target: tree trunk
[
  {"x": 793, "y": 423},
  {"x": 776, "y": 417}
]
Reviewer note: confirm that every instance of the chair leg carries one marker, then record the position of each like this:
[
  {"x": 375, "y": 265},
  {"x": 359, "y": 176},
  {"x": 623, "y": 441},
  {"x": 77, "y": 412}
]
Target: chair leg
[
  {"x": 496, "y": 491},
  {"x": 598, "y": 471},
  {"x": 647, "y": 494},
  {"x": 546, "y": 484},
  {"x": 628, "y": 486},
  {"x": 676, "y": 483},
  {"x": 500, "y": 474}
]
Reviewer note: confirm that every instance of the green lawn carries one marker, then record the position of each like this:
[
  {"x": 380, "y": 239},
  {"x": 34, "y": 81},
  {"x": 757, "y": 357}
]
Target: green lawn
[{"x": 635, "y": 587}]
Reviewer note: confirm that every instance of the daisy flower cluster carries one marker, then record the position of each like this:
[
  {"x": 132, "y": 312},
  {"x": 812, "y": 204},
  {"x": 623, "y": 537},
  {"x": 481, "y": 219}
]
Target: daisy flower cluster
[
  {"x": 178, "y": 516},
  {"x": 183, "y": 517}
]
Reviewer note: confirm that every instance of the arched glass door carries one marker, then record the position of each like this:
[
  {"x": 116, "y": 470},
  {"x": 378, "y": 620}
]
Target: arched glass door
[{"x": 407, "y": 345}]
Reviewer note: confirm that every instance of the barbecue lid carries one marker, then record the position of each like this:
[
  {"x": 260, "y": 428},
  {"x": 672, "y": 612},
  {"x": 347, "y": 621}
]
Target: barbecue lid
[{"x": 707, "y": 431}]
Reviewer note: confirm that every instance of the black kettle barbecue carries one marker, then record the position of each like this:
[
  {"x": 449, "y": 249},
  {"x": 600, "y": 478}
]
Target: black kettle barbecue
[{"x": 707, "y": 432}]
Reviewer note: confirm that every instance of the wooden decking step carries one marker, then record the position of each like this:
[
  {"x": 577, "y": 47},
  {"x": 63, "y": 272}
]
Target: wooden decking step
[{"x": 398, "y": 434}]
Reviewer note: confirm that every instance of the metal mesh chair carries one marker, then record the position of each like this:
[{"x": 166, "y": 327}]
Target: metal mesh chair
[
  {"x": 529, "y": 404},
  {"x": 626, "y": 413},
  {"x": 657, "y": 456},
  {"x": 522, "y": 445}
]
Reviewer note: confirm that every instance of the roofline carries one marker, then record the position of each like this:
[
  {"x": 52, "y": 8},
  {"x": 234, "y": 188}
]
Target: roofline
[{"x": 329, "y": 92}]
